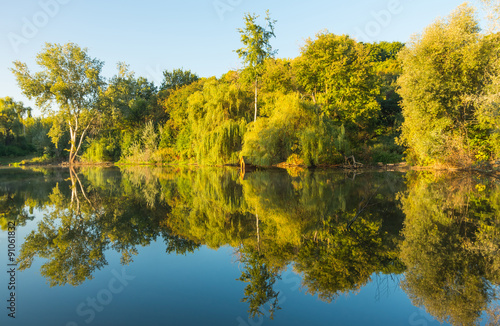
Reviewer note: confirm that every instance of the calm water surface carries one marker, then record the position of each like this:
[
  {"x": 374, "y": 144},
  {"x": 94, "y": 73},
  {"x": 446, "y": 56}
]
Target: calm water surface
[{"x": 151, "y": 246}]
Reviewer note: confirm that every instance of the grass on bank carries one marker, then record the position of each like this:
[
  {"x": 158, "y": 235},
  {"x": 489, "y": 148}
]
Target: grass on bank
[{"x": 32, "y": 159}]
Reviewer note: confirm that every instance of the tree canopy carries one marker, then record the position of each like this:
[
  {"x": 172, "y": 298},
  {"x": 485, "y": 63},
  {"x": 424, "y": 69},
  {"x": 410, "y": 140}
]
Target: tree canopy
[
  {"x": 444, "y": 69},
  {"x": 71, "y": 80}
]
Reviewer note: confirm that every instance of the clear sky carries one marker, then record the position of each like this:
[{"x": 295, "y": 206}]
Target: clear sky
[{"x": 154, "y": 35}]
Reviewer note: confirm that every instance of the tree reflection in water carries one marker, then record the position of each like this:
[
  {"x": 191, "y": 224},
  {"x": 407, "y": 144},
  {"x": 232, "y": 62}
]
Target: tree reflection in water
[
  {"x": 451, "y": 246},
  {"x": 337, "y": 232}
]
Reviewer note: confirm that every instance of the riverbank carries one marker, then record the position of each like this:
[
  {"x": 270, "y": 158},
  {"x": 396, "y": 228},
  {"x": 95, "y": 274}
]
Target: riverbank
[{"x": 490, "y": 168}]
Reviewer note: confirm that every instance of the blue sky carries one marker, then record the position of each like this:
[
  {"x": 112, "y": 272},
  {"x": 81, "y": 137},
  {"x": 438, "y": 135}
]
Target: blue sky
[{"x": 153, "y": 35}]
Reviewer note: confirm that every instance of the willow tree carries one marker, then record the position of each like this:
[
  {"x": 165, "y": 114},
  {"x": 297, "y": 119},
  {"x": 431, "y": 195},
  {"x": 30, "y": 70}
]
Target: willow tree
[
  {"x": 71, "y": 80},
  {"x": 257, "y": 48}
]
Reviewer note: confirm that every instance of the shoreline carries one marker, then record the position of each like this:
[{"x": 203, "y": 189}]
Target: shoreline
[{"x": 490, "y": 169}]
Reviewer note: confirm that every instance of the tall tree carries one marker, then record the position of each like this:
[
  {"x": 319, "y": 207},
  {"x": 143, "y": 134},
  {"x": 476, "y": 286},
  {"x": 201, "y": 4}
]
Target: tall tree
[
  {"x": 72, "y": 80},
  {"x": 257, "y": 48},
  {"x": 443, "y": 69}
]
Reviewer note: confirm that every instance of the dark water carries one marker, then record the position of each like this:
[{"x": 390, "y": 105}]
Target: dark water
[{"x": 150, "y": 246}]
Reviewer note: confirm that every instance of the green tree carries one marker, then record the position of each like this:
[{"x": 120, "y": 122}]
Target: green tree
[
  {"x": 336, "y": 72},
  {"x": 12, "y": 114},
  {"x": 277, "y": 77},
  {"x": 292, "y": 130},
  {"x": 128, "y": 101},
  {"x": 213, "y": 129},
  {"x": 177, "y": 78},
  {"x": 383, "y": 51},
  {"x": 487, "y": 112},
  {"x": 71, "y": 79},
  {"x": 257, "y": 48},
  {"x": 175, "y": 107},
  {"x": 443, "y": 70},
  {"x": 37, "y": 129},
  {"x": 387, "y": 68},
  {"x": 127, "y": 105}
]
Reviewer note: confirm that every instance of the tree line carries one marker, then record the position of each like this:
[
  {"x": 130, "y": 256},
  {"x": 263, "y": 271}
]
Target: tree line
[{"x": 431, "y": 101}]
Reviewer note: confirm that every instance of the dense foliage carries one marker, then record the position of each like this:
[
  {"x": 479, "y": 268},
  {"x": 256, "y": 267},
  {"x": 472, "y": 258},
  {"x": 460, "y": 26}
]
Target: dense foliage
[
  {"x": 336, "y": 99},
  {"x": 436, "y": 98},
  {"x": 449, "y": 88},
  {"x": 450, "y": 247},
  {"x": 12, "y": 130},
  {"x": 211, "y": 121},
  {"x": 69, "y": 80}
]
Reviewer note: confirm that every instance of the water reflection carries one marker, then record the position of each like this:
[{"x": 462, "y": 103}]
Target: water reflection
[
  {"x": 337, "y": 231},
  {"x": 451, "y": 246}
]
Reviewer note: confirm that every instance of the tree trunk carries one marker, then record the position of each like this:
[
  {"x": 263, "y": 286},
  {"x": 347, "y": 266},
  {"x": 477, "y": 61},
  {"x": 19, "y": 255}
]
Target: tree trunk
[
  {"x": 81, "y": 140},
  {"x": 72, "y": 153},
  {"x": 255, "y": 115}
]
